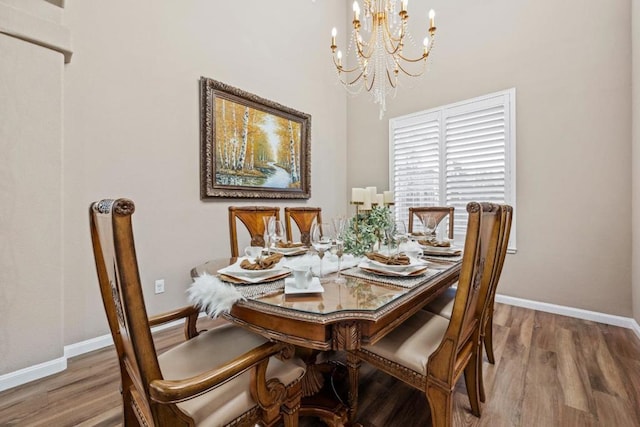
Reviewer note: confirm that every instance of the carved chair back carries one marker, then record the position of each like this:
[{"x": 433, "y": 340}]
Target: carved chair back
[
  {"x": 117, "y": 269},
  {"x": 462, "y": 337},
  {"x": 251, "y": 217},
  {"x": 304, "y": 217},
  {"x": 439, "y": 212},
  {"x": 489, "y": 298}
]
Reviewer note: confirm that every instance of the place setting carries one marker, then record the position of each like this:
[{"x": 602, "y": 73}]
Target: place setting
[
  {"x": 400, "y": 265},
  {"x": 255, "y": 268}
]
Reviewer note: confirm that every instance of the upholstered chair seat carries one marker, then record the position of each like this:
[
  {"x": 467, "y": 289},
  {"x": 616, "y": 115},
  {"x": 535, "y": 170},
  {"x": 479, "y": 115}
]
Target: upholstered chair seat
[
  {"x": 443, "y": 304},
  {"x": 413, "y": 343},
  {"x": 213, "y": 349}
]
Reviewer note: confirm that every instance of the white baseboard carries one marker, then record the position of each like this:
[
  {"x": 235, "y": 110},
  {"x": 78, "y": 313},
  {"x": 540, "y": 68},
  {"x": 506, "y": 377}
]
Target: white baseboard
[
  {"x": 41, "y": 370},
  {"x": 32, "y": 373},
  {"x": 578, "y": 313}
]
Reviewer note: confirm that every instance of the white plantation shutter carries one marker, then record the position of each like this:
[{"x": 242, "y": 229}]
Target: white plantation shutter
[
  {"x": 417, "y": 162},
  {"x": 455, "y": 154}
]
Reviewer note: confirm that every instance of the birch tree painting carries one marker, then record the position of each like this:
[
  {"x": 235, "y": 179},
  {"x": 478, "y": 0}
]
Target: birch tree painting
[
  {"x": 252, "y": 147},
  {"x": 255, "y": 148}
]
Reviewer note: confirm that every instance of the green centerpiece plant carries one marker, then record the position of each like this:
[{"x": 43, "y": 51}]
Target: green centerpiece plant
[{"x": 366, "y": 230}]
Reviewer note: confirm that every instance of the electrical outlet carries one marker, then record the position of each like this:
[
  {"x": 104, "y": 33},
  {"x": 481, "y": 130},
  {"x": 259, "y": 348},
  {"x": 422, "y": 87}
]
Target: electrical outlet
[{"x": 159, "y": 286}]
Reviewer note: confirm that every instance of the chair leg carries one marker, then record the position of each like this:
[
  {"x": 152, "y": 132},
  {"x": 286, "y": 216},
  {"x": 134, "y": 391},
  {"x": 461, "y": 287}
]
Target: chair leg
[
  {"x": 353, "y": 366},
  {"x": 483, "y": 397},
  {"x": 488, "y": 338},
  {"x": 441, "y": 404},
  {"x": 291, "y": 407},
  {"x": 471, "y": 378}
]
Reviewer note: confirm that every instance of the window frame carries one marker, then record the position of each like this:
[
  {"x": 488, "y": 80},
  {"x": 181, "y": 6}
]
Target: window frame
[{"x": 441, "y": 113}]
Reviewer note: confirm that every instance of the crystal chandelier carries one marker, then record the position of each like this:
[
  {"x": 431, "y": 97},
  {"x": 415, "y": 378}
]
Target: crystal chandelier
[{"x": 380, "y": 59}]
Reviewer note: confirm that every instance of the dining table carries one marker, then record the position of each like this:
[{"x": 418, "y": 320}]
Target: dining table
[{"x": 357, "y": 308}]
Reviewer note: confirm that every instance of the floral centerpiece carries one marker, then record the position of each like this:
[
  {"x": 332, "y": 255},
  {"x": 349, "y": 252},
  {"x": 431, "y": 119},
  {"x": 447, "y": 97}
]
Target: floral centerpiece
[{"x": 366, "y": 229}]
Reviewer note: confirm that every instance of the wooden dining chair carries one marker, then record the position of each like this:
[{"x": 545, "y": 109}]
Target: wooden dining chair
[
  {"x": 430, "y": 352},
  {"x": 304, "y": 217},
  {"x": 440, "y": 213},
  {"x": 443, "y": 304},
  {"x": 224, "y": 376},
  {"x": 251, "y": 217}
]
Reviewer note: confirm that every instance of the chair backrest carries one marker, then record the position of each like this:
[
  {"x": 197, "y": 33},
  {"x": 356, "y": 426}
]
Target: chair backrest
[
  {"x": 503, "y": 243},
  {"x": 439, "y": 212},
  {"x": 304, "y": 217},
  {"x": 251, "y": 217},
  {"x": 480, "y": 255},
  {"x": 117, "y": 268}
]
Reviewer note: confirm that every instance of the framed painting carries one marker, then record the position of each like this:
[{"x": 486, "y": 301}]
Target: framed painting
[{"x": 252, "y": 147}]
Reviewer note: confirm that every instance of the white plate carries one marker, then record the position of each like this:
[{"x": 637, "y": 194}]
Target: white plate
[
  {"x": 375, "y": 269},
  {"x": 290, "y": 287},
  {"x": 289, "y": 251},
  {"x": 235, "y": 270},
  {"x": 413, "y": 262}
]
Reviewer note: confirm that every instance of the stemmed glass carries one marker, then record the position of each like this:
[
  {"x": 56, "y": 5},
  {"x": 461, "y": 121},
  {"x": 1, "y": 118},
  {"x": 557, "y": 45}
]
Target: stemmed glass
[
  {"x": 321, "y": 240},
  {"x": 430, "y": 225},
  {"x": 269, "y": 226},
  {"x": 400, "y": 234},
  {"x": 337, "y": 247},
  {"x": 277, "y": 232}
]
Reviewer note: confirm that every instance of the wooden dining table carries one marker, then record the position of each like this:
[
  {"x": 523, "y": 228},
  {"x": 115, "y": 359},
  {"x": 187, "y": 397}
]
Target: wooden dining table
[{"x": 347, "y": 315}]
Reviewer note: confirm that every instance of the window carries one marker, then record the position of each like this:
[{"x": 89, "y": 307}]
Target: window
[{"x": 451, "y": 155}]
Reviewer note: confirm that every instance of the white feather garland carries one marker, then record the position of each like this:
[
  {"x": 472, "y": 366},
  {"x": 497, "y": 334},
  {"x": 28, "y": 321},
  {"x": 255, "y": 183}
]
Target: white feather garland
[{"x": 212, "y": 295}]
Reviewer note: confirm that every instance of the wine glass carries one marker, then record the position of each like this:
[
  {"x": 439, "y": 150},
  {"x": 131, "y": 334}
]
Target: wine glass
[
  {"x": 430, "y": 224},
  {"x": 337, "y": 247},
  {"x": 269, "y": 224},
  {"x": 320, "y": 240},
  {"x": 277, "y": 232},
  {"x": 400, "y": 234}
]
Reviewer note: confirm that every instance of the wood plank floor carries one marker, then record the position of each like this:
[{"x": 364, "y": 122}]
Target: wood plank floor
[{"x": 550, "y": 371}]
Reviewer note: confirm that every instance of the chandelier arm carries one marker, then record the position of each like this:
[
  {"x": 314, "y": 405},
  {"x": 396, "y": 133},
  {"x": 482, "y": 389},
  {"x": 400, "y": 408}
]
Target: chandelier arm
[
  {"x": 412, "y": 74},
  {"x": 341, "y": 69},
  {"x": 391, "y": 82},
  {"x": 421, "y": 58}
]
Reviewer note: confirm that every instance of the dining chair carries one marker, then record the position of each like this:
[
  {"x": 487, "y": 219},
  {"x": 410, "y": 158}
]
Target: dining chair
[
  {"x": 440, "y": 213},
  {"x": 443, "y": 304},
  {"x": 251, "y": 217},
  {"x": 430, "y": 352},
  {"x": 224, "y": 376},
  {"x": 304, "y": 217}
]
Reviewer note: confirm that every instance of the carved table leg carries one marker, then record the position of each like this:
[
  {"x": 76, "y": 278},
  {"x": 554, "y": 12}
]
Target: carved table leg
[{"x": 353, "y": 365}]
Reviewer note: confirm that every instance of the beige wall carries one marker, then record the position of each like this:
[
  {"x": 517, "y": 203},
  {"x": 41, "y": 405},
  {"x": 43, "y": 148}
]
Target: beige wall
[
  {"x": 132, "y": 126},
  {"x": 31, "y": 276},
  {"x": 570, "y": 64},
  {"x": 635, "y": 37}
]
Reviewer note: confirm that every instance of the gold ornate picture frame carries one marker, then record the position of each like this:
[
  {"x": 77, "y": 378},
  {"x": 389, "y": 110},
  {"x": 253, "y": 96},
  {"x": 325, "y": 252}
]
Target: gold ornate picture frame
[{"x": 252, "y": 147}]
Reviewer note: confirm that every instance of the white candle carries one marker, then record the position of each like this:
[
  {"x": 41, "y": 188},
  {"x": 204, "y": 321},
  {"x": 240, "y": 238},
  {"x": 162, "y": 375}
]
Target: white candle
[
  {"x": 357, "y": 195},
  {"x": 432, "y": 18},
  {"x": 367, "y": 201},
  {"x": 388, "y": 196},
  {"x": 372, "y": 193},
  {"x": 379, "y": 199}
]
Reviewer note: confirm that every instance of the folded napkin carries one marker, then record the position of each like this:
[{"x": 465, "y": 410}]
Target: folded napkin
[
  {"x": 435, "y": 243},
  {"x": 287, "y": 245},
  {"x": 261, "y": 263},
  {"x": 401, "y": 259}
]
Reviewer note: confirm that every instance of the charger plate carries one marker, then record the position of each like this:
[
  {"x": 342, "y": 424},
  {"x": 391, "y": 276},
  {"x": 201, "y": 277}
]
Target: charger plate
[{"x": 239, "y": 280}]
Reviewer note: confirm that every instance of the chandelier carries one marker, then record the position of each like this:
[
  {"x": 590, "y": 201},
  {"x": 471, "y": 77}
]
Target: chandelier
[{"x": 380, "y": 59}]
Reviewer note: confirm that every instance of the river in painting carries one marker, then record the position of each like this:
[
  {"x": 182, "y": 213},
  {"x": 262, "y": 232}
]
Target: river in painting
[{"x": 274, "y": 177}]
